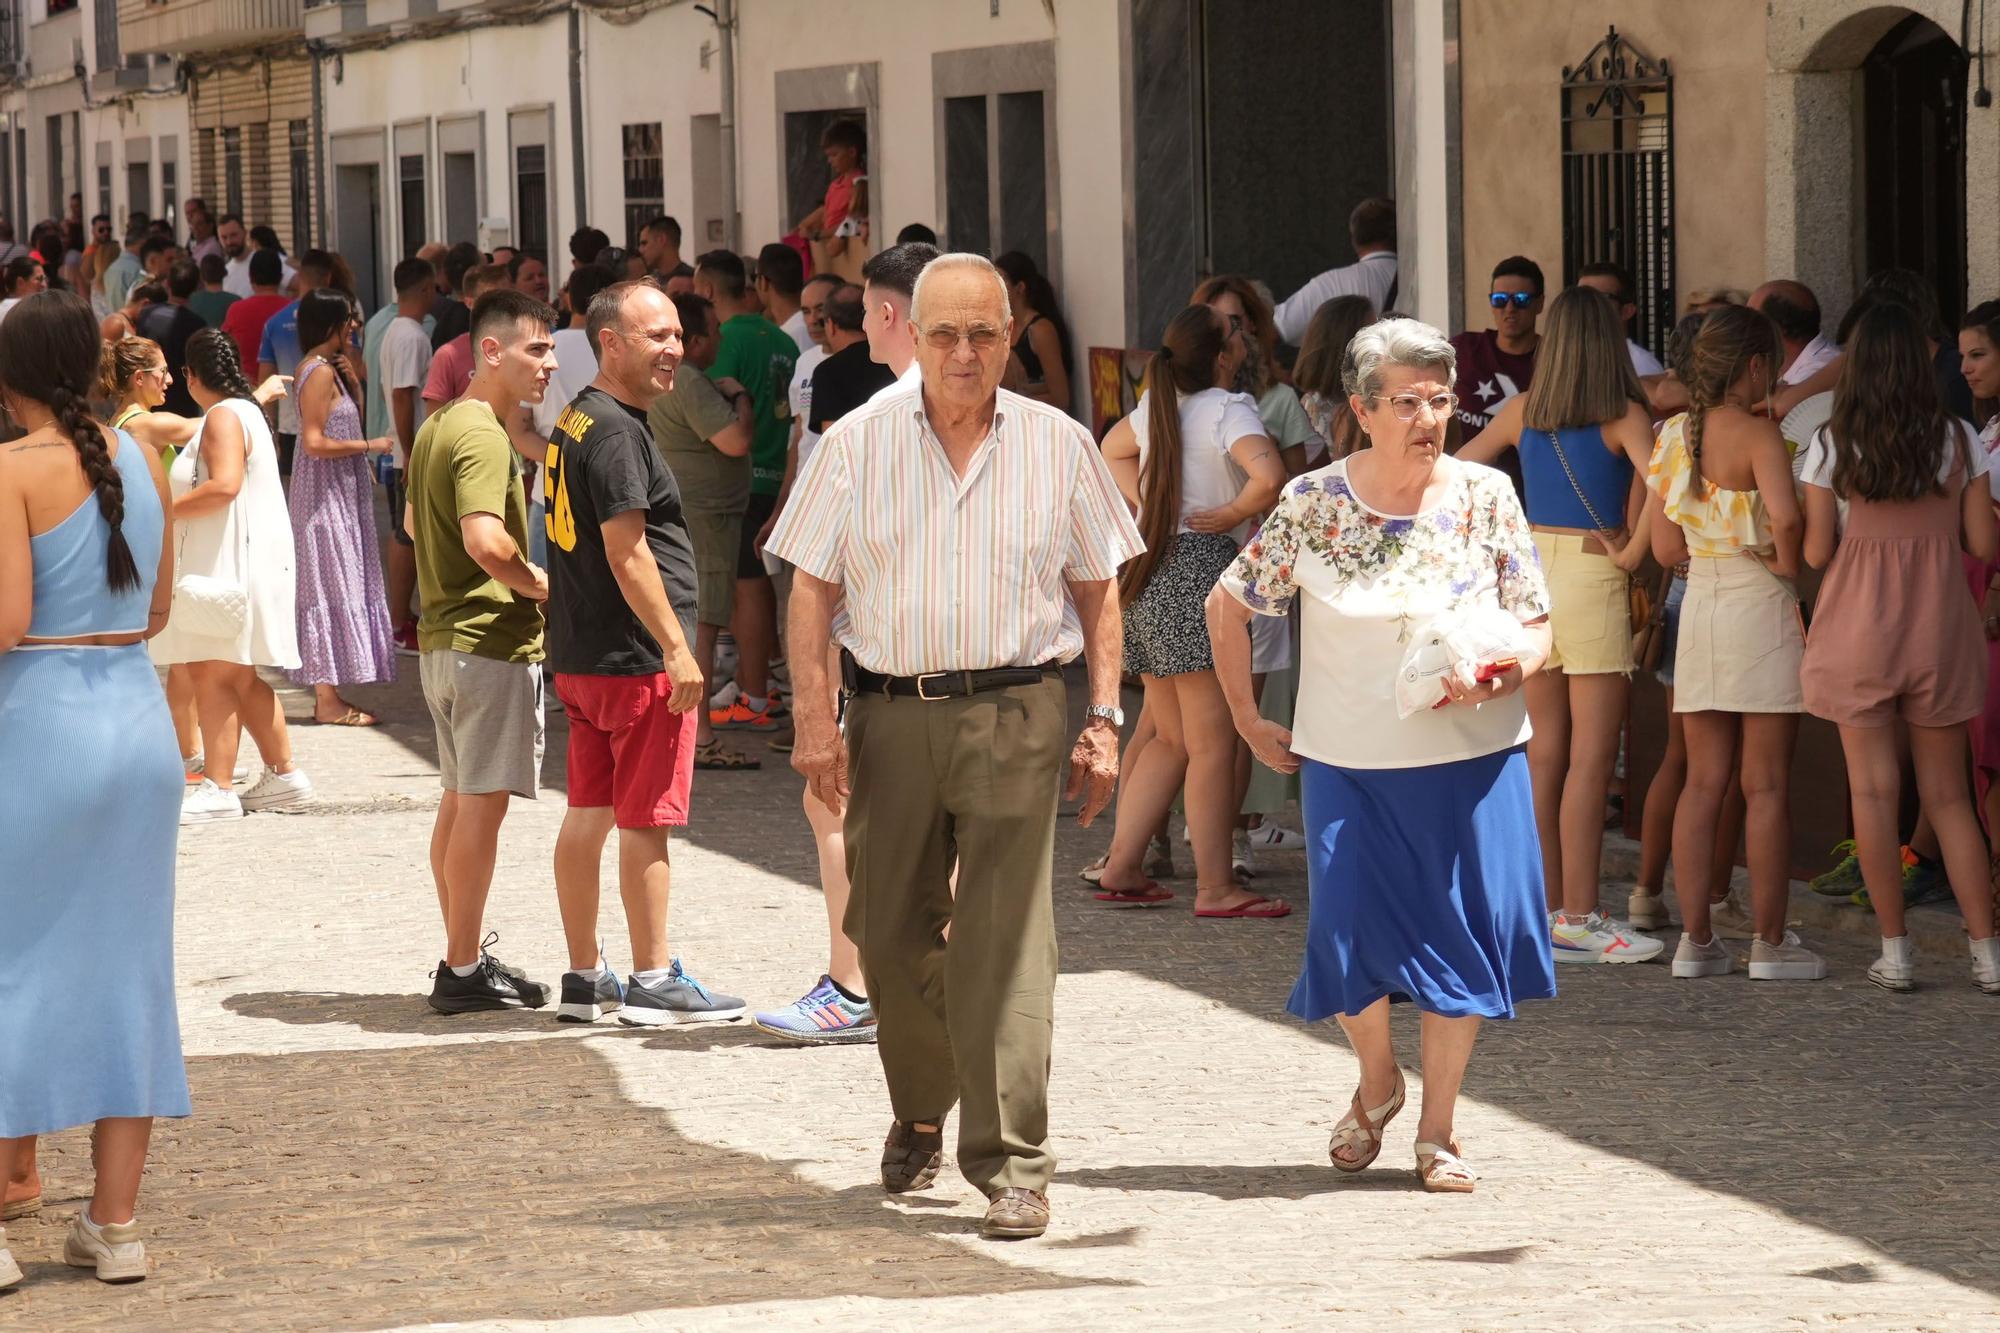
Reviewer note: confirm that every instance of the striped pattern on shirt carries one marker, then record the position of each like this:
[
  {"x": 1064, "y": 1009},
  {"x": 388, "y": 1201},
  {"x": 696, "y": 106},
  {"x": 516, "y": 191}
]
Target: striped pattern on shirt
[{"x": 943, "y": 573}]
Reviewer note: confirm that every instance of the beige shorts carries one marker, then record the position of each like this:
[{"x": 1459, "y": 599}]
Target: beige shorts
[
  {"x": 1742, "y": 640},
  {"x": 1590, "y": 618}
]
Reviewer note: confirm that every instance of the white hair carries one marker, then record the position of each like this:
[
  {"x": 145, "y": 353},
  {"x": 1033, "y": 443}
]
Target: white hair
[
  {"x": 1395, "y": 342},
  {"x": 959, "y": 261}
]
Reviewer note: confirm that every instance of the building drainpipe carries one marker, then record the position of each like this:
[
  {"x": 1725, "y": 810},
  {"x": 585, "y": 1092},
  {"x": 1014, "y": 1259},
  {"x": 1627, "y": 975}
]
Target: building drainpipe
[
  {"x": 575, "y": 123},
  {"x": 725, "y": 23},
  {"x": 316, "y": 52}
]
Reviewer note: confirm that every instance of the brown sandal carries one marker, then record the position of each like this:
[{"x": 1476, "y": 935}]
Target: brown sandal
[
  {"x": 911, "y": 1157},
  {"x": 353, "y": 717},
  {"x": 1361, "y": 1130}
]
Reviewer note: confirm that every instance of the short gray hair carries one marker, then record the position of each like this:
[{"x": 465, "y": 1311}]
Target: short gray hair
[
  {"x": 1394, "y": 342},
  {"x": 955, "y": 261}
]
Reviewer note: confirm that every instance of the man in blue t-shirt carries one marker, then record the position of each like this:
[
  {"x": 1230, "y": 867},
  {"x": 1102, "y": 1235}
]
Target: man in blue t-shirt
[{"x": 278, "y": 352}]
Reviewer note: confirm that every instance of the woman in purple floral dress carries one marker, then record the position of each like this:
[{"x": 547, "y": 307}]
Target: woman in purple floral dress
[{"x": 344, "y": 633}]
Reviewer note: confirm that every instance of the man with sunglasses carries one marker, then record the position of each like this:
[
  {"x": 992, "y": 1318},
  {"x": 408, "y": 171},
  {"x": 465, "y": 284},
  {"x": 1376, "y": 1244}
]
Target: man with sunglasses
[{"x": 1497, "y": 363}]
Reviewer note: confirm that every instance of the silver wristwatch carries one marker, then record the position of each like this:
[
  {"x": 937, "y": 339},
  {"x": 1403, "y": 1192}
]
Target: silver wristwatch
[{"x": 1115, "y": 716}]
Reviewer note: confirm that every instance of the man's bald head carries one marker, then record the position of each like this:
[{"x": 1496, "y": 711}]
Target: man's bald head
[{"x": 1792, "y": 307}]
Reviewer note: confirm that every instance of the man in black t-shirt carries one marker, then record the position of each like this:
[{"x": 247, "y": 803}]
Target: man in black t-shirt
[
  {"x": 847, "y": 378},
  {"x": 171, "y": 324},
  {"x": 621, "y": 625}
]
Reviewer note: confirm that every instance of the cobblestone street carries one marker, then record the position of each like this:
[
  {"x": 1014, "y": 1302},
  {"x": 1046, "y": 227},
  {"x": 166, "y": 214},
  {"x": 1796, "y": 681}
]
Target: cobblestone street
[{"x": 1712, "y": 1155}]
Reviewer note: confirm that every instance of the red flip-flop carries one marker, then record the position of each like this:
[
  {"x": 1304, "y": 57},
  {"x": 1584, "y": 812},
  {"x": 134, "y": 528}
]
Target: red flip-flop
[
  {"x": 1262, "y": 909},
  {"x": 1147, "y": 894}
]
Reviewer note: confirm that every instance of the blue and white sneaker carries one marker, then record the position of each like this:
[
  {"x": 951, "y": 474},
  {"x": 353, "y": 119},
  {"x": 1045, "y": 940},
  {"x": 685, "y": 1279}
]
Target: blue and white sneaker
[
  {"x": 821, "y": 1017},
  {"x": 674, "y": 999},
  {"x": 585, "y": 999}
]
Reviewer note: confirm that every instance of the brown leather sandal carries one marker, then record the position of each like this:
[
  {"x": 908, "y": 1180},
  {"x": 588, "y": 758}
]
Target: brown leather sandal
[{"x": 911, "y": 1157}]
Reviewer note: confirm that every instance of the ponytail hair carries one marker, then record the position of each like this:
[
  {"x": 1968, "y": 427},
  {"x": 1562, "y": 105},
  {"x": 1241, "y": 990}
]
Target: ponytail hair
[
  {"x": 212, "y": 359},
  {"x": 1184, "y": 364},
  {"x": 49, "y": 355},
  {"x": 1730, "y": 336}
]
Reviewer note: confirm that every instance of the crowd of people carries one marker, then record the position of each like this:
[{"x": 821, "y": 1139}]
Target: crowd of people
[{"x": 860, "y": 476}]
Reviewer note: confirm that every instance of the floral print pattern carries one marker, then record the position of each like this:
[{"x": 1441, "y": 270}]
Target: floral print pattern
[{"x": 1476, "y": 538}]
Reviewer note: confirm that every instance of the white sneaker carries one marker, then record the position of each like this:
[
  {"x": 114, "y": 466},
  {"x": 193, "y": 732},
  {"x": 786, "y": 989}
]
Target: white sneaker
[
  {"x": 1730, "y": 919},
  {"x": 1598, "y": 939},
  {"x": 10, "y": 1272},
  {"x": 114, "y": 1250},
  {"x": 1277, "y": 838},
  {"x": 242, "y": 773},
  {"x": 277, "y": 791},
  {"x": 1702, "y": 960},
  {"x": 1787, "y": 960},
  {"x": 1239, "y": 855},
  {"x": 1896, "y": 969},
  {"x": 1986, "y": 964},
  {"x": 205, "y": 803},
  {"x": 1647, "y": 911}
]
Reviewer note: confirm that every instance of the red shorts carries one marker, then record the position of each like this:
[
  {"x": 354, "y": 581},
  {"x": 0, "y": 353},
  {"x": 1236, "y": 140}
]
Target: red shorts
[{"x": 626, "y": 750}]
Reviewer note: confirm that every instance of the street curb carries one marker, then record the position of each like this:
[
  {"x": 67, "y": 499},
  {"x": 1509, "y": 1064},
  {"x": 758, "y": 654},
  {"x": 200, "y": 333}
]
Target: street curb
[{"x": 1935, "y": 929}]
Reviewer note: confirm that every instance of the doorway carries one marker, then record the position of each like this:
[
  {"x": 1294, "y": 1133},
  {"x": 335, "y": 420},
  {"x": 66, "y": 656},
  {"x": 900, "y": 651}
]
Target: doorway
[
  {"x": 706, "y": 229},
  {"x": 357, "y": 223},
  {"x": 1913, "y": 154}
]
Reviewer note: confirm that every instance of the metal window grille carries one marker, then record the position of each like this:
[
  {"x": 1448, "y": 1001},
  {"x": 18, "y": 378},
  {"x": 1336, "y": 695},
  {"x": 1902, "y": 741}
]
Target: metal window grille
[
  {"x": 298, "y": 145},
  {"x": 645, "y": 177},
  {"x": 1618, "y": 175},
  {"x": 531, "y": 198}
]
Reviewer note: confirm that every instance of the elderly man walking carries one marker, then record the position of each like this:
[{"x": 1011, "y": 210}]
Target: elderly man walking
[{"x": 972, "y": 537}]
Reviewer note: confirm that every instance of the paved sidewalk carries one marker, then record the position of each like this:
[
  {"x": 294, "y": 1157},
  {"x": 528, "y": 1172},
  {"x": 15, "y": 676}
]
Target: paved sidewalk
[{"x": 1713, "y": 1155}]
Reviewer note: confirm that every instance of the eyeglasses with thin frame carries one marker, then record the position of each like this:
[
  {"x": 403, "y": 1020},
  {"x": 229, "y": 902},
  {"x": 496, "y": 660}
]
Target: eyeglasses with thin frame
[
  {"x": 1407, "y": 406},
  {"x": 945, "y": 338},
  {"x": 1519, "y": 300}
]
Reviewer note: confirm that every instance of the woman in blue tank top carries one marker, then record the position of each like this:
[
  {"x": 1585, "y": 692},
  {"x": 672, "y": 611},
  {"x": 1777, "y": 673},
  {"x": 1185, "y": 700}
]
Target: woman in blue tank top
[
  {"x": 1584, "y": 436},
  {"x": 88, "y": 1031}
]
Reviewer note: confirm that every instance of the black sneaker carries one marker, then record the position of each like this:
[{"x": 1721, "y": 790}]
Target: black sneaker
[
  {"x": 586, "y": 999},
  {"x": 677, "y": 998},
  {"x": 489, "y": 987}
]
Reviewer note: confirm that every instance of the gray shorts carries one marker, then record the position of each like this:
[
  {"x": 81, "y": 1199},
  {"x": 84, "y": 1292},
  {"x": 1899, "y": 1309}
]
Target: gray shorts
[{"x": 488, "y": 716}]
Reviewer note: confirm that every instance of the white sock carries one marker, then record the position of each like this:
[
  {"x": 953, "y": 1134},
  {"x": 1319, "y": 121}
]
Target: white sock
[
  {"x": 755, "y": 704},
  {"x": 1897, "y": 950},
  {"x": 653, "y": 976},
  {"x": 467, "y": 970},
  {"x": 597, "y": 972}
]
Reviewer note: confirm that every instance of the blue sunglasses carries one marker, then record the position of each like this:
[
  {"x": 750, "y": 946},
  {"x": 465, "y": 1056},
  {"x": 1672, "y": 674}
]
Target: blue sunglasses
[{"x": 1519, "y": 300}]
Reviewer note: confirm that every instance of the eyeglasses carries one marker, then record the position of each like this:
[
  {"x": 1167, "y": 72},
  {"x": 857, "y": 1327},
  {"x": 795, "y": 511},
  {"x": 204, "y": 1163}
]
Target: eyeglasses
[
  {"x": 1519, "y": 300},
  {"x": 1407, "y": 406},
  {"x": 945, "y": 338}
]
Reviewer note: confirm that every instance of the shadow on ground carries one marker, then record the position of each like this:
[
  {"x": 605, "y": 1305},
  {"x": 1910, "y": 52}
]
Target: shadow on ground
[
  {"x": 503, "y": 1180},
  {"x": 1744, "y": 1089}
]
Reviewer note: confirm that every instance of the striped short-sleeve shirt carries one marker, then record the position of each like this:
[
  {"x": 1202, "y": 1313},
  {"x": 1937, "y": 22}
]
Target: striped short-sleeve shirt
[{"x": 950, "y": 573}]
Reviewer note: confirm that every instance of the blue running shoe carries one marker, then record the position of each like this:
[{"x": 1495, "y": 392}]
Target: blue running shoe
[
  {"x": 675, "y": 999},
  {"x": 821, "y": 1017}
]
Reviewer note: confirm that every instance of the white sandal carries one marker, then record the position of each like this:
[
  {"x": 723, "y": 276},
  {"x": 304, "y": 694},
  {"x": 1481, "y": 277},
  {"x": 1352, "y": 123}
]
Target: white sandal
[
  {"x": 1443, "y": 1171},
  {"x": 1361, "y": 1131}
]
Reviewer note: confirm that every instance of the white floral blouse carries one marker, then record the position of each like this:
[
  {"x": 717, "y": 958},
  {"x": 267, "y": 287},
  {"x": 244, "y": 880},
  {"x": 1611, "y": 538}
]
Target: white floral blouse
[{"x": 1366, "y": 582}]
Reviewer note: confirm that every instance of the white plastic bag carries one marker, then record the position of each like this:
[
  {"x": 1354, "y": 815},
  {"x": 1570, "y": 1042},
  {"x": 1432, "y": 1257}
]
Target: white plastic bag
[{"x": 1455, "y": 643}]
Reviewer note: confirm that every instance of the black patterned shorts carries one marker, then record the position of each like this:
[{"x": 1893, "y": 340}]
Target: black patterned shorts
[{"x": 1166, "y": 630}]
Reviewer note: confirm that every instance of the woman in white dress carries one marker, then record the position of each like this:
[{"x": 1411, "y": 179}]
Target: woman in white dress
[{"x": 233, "y": 539}]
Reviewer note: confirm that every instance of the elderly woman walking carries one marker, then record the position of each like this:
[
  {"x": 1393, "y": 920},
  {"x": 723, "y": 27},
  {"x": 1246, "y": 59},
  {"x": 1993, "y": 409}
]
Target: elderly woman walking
[{"x": 1425, "y": 873}]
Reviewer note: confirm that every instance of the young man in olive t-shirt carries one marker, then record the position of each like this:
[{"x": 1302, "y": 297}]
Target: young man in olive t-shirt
[{"x": 480, "y": 634}]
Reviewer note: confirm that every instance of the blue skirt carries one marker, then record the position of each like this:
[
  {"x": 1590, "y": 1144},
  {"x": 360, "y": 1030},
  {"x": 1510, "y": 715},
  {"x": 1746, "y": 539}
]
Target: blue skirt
[
  {"x": 1426, "y": 887},
  {"x": 92, "y": 778}
]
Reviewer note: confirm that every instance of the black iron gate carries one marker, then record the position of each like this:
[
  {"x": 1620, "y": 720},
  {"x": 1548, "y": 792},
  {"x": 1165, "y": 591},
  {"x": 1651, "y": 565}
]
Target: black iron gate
[{"x": 1618, "y": 175}]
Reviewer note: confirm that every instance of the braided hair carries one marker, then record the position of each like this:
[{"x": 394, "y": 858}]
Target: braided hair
[
  {"x": 212, "y": 358},
  {"x": 49, "y": 353},
  {"x": 1730, "y": 336}
]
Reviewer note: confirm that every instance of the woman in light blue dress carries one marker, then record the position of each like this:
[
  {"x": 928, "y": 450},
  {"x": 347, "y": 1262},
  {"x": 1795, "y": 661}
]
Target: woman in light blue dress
[{"x": 88, "y": 1028}]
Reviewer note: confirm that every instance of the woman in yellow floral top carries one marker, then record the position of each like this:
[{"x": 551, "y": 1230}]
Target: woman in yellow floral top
[
  {"x": 1425, "y": 872},
  {"x": 1720, "y": 483}
]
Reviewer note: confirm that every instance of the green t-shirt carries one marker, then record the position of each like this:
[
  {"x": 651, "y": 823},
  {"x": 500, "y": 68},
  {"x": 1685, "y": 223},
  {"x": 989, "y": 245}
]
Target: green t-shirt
[
  {"x": 682, "y": 422},
  {"x": 462, "y": 463},
  {"x": 212, "y": 306},
  {"x": 760, "y": 356}
]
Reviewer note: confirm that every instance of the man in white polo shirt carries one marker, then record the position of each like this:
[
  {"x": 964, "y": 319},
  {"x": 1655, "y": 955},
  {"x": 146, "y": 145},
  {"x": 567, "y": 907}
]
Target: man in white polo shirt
[{"x": 1371, "y": 229}]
